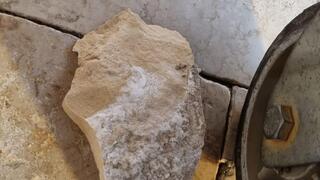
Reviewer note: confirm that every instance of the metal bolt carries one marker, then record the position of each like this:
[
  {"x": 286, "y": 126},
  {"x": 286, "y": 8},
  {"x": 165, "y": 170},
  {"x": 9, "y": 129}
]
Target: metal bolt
[{"x": 279, "y": 122}]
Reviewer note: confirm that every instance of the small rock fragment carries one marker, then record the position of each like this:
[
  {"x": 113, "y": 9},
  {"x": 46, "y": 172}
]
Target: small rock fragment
[
  {"x": 142, "y": 115},
  {"x": 237, "y": 102},
  {"x": 216, "y": 100}
]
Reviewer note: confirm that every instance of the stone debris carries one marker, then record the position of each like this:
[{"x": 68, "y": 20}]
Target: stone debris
[
  {"x": 216, "y": 100},
  {"x": 136, "y": 96},
  {"x": 238, "y": 97}
]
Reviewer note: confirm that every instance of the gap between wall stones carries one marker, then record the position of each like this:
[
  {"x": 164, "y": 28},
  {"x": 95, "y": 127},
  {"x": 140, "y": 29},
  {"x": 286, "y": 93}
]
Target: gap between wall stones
[
  {"x": 43, "y": 23},
  {"x": 226, "y": 82},
  {"x": 223, "y": 81},
  {"x": 229, "y": 84},
  {"x": 221, "y": 163}
]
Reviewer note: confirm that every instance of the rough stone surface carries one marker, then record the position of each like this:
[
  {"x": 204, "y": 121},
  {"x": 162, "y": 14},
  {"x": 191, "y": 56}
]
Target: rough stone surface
[
  {"x": 237, "y": 102},
  {"x": 137, "y": 97},
  {"x": 37, "y": 139},
  {"x": 216, "y": 100},
  {"x": 228, "y": 38}
]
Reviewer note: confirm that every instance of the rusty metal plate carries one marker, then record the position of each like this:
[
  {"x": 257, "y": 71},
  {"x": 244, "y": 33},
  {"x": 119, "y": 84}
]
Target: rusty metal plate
[
  {"x": 252, "y": 147},
  {"x": 299, "y": 89}
]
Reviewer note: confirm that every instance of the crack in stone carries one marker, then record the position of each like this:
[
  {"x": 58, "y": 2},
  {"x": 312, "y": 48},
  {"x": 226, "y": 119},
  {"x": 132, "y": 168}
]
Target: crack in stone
[
  {"x": 43, "y": 23},
  {"x": 223, "y": 81}
]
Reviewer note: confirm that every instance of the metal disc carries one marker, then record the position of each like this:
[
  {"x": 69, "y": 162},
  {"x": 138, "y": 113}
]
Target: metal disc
[{"x": 249, "y": 163}]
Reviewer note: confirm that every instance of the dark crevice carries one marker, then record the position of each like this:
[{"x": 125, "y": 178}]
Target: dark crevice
[
  {"x": 223, "y": 169},
  {"x": 227, "y": 121},
  {"x": 222, "y": 165},
  {"x": 223, "y": 81},
  {"x": 40, "y": 22}
]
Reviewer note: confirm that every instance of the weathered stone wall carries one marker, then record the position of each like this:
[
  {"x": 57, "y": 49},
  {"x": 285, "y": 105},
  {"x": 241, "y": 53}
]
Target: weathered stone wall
[{"x": 228, "y": 37}]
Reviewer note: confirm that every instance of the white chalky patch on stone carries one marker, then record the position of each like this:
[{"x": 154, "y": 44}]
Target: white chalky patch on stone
[{"x": 139, "y": 87}]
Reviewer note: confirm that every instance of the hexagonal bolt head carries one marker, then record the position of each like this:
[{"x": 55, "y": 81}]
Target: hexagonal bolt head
[{"x": 278, "y": 122}]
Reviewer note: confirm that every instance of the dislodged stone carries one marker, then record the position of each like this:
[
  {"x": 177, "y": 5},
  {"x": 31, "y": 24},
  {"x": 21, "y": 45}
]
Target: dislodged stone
[
  {"x": 237, "y": 102},
  {"x": 37, "y": 139},
  {"x": 216, "y": 100},
  {"x": 137, "y": 98}
]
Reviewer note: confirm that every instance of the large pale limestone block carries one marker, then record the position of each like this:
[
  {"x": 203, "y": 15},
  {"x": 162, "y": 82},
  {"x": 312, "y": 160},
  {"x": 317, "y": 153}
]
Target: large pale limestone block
[
  {"x": 228, "y": 38},
  {"x": 136, "y": 95},
  {"x": 37, "y": 139},
  {"x": 216, "y": 100}
]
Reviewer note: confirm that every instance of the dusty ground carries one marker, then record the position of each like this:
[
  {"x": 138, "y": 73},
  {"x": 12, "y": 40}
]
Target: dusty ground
[
  {"x": 28, "y": 147},
  {"x": 37, "y": 139}
]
